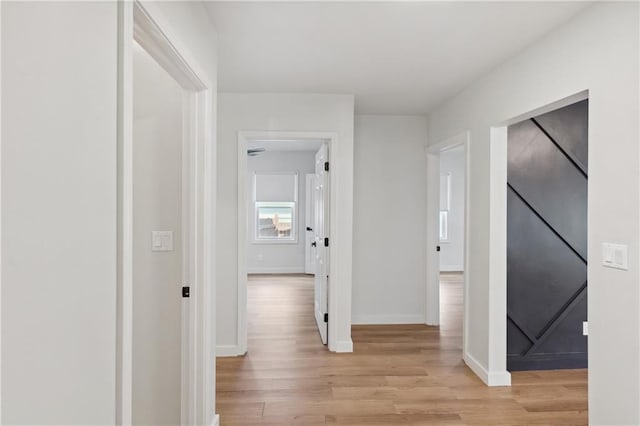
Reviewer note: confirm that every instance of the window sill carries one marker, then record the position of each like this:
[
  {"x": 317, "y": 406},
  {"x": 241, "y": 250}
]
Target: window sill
[{"x": 275, "y": 242}]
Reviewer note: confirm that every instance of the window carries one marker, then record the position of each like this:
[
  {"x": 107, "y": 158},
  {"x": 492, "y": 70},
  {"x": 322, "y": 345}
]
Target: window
[
  {"x": 445, "y": 205},
  {"x": 444, "y": 225},
  {"x": 275, "y": 221},
  {"x": 275, "y": 197}
]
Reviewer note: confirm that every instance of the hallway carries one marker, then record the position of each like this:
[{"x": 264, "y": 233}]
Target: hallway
[{"x": 398, "y": 374}]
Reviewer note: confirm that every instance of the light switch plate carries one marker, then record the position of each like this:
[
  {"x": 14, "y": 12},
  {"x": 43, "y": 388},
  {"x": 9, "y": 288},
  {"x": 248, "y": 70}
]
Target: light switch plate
[
  {"x": 161, "y": 240},
  {"x": 615, "y": 256},
  {"x": 585, "y": 328}
]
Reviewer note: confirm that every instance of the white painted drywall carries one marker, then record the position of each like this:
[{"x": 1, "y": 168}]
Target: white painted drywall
[
  {"x": 157, "y": 276},
  {"x": 279, "y": 257},
  {"x": 389, "y": 244},
  {"x": 452, "y": 161},
  {"x": 597, "y": 51},
  {"x": 59, "y": 109},
  {"x": 281, "y": 112}
]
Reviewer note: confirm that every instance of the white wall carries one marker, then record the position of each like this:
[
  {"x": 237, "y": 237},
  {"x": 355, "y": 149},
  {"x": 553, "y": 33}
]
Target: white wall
[
  {"x": 279, "y": 257},
  {"x": 596, "y": 51},
  {"x": 59, "y": 75},
  {"x": 282, "y": 112},
  {"x": 58, "y": 213},
  {"x": 157, "y": 276},
  {"x": 389, "y": 246},
  {"x": 452, "y": 161}
]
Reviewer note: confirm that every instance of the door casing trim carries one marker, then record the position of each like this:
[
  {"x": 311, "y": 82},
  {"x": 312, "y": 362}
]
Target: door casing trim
[
  {"x": 142, "y": 22},
  {"x": 244, "y": 137}
]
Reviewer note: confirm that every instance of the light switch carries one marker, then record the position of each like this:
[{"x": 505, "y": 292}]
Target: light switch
[
  {"x": 161, "y": 240},
  {"x": 615, "y": 256},
  {"x": 585, "y": 328}
]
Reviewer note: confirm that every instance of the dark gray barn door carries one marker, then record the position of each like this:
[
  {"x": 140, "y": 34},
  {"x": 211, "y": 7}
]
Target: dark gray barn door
[{"x": 547, "y": 240}]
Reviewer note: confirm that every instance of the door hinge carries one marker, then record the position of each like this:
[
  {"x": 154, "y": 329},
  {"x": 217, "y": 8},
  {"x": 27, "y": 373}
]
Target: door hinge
[
  {"x": 185, "y": 291},
  {"x": 326, "y": 318},
  {"x": 326, "y": 166},
  {"x": 326, "y": 241},
  {"x": 437, "y": 248}
]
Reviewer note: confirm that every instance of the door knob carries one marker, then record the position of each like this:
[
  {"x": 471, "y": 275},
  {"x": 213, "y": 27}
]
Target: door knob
[
  {"x": 313, "y": 244},
  {"x": 309, "y": 228}
]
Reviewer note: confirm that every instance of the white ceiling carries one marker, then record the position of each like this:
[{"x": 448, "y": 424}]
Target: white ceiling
[{"x": 395, "y": 57}]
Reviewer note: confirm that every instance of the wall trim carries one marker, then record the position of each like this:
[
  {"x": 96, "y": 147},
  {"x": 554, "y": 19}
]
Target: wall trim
[
  {"x": 223, "y": 351},
  {"x": 344, "y": 346},
  {"x": 490, "y": 378},
  {"x": 387, "y": 319},
  {"x": 451, "y": 268},
  {"x": 216, "y": 420},
  {"x": 277, "y": 270}
]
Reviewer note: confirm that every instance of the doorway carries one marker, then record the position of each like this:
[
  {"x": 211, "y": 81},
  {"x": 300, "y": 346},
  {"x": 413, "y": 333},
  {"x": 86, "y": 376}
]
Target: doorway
[
  {"x": 284, "y": 200},
  {"x": 185, "y": 235},
  {"x": 158, "y": 253},
  {"x": 547, "y": 186},
  {"x": 451, "y": 237},
  {"x": 446, "y": 236}
]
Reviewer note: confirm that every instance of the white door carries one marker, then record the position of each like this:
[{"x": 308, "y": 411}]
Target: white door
[
  {"x": 309, "y": 236},
  {"x": 321, "y": 240}
]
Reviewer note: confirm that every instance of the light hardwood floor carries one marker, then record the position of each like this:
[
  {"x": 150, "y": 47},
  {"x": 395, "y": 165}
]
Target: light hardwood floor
[{"x": 397, "y": 375}]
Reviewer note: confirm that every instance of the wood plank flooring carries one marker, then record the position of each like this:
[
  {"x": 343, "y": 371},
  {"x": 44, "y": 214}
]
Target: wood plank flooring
[{"x": 397, "y": 375}]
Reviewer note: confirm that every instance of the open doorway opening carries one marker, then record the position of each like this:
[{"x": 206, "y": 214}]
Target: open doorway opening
[
  {"x": 451, "y": 239},
  {"x": 157, "y": 243},
  {"x": 447, "y": 169},
  {"x": 287, "y": 246},
  {"x": 165, "y": 181},
  {"x": 547, "y": 187}
]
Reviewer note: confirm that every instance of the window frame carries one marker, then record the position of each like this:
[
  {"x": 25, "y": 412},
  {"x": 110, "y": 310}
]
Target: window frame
[
  {"x": 445, "y": 228},
  {"x": 292, "y": 239},
  {"x": 445, "y": 207}
]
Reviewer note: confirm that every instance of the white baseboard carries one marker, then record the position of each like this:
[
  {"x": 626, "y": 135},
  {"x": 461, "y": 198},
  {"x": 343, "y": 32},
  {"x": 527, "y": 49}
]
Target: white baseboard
[
  {"x": 344, "y": 346},
  {"x": 387, "y": 319},
  {"x": 216, "y": 420},
  {"x": 451, "y": 268},
  {"x": 227, "y": 351},
  {"x": 277, "y": 270},
  {"x": 493, "y": 378}
]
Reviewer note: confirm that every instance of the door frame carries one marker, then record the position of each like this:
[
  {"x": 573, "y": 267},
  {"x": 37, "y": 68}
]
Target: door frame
[
  {"x": 432, "y": 308},
  {"x": 244, "y": 138},
  {"x": 309, "y": 179},
  {"x": 497, "y": 250},
  {"x": 147, "y": 26},
  {"x": 497, "y": 374},
  {"x": 494, "y": 373}
]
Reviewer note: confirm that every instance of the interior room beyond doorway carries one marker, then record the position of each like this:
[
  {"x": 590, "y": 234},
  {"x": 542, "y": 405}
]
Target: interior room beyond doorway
[{"x": 287, "y": 190}]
